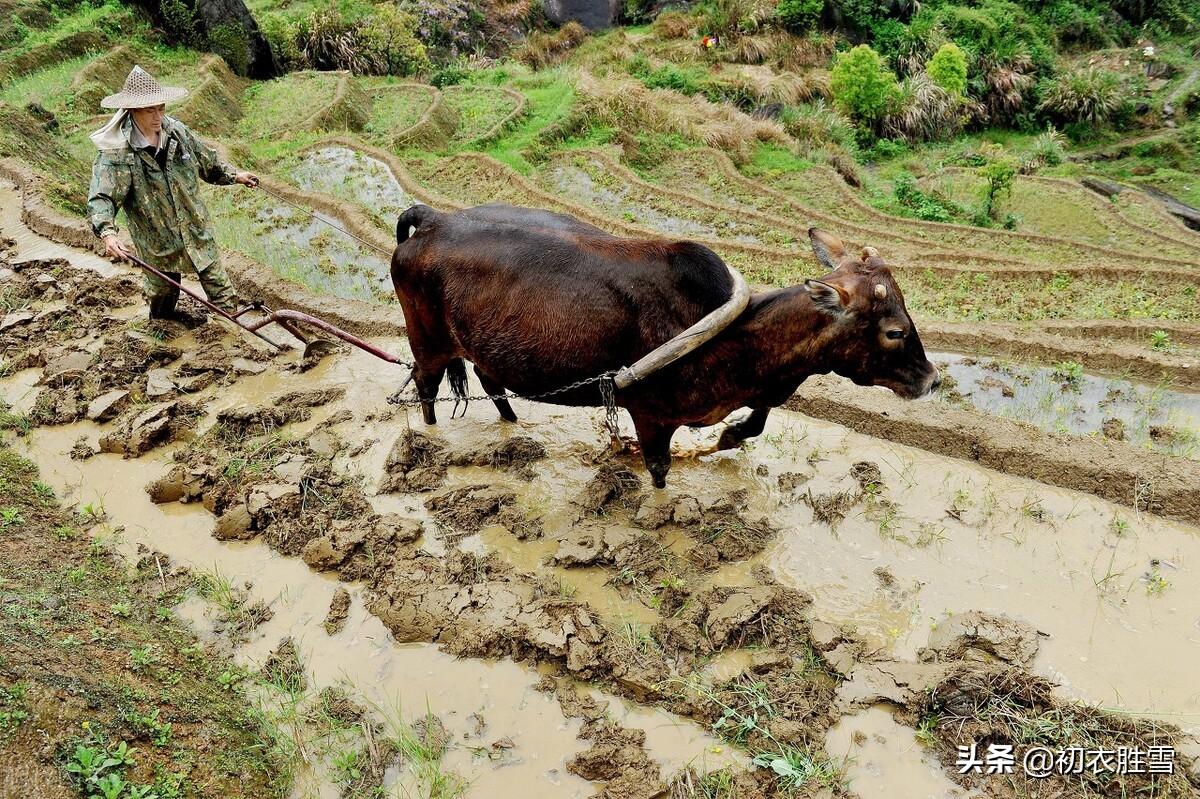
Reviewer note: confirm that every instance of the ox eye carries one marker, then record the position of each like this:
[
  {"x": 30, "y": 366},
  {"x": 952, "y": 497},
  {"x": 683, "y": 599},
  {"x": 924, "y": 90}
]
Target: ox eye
[{"x": 895, "y": 334}]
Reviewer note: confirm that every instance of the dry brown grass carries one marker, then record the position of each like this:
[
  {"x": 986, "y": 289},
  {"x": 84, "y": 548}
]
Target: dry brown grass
[
  {"x": 925, "y": 112},
  {"x": 629, "y": 105},
  {"x": 673, "y": 25},
  {"x": 544, "y": 48}
]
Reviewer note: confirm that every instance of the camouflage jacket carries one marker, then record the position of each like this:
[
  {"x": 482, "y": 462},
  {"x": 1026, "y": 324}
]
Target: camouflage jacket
[{"x": 166, "y": 215}]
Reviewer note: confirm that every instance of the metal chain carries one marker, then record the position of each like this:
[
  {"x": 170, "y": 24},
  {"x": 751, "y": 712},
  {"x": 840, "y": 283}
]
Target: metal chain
[{"x": 604, "y": 379}]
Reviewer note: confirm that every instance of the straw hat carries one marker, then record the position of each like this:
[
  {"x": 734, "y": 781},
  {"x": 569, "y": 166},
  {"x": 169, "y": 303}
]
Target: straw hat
[{"x": 141, "y": 90}]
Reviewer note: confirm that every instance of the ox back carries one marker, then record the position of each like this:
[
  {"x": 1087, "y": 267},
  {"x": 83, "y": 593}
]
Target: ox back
[{"x": 538, "y": 300}]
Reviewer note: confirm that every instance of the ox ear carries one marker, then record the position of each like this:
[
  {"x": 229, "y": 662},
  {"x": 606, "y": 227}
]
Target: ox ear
[
  {"x": 826, "y": 296},
  {"x": 828, "y": 248}
]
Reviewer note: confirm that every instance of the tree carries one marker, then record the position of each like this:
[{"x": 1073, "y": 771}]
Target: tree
[
  {"x": 799, "y": 15},
  {"x": 948, "y": 68},
  {"x": 863, "y": 87}
]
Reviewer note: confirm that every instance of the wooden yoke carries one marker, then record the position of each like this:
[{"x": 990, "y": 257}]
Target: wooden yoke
[{"x": 692, "y": 338}]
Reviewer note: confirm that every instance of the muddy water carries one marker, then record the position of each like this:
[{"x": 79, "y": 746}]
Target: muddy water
[
  {"x": 30, "y": 246},
  {"x": 1115, "y": 593},
  {"x": 1067, "y": 401},
  {"x": 343, "y": 172},
  {"x": 300, "y": 247},
  {"x": 880, "y": 755},
  {"x": 399, "y": 680}
]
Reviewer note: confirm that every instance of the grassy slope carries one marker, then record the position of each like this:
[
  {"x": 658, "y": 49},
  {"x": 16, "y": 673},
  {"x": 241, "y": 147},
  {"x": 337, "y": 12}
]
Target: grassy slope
[{"x": 92, "y": 657}]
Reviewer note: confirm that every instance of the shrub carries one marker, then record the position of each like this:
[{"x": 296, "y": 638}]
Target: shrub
[
  {"x": 998, "y": 175},
  {"x": 948, "y": 68},
  {"x": 862, "y": 85},
  {"x": 923, "y": 111},
  {"x": 447, "y": 28},
  {"x": 673, "y": 25},
  {"x": 390, "y": 42},
  {"x": 543, "y": 48},
  {"x": 1079, "y": 26},
  {"x": 817, "y": 125},
  {"x": 1084, "y": 95},
  {"x": 381, "y": 43},
  {"x": 923, "y": 205},
  {"x": 799, "y": 15},
  {"x": 1047, "y": 150},
  {"x": 232, "y": 43}
]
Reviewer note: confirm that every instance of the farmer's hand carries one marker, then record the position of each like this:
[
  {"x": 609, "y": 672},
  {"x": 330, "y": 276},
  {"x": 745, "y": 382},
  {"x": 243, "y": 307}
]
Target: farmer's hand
[
  {"x": 246, "y": 179},
  {"x": 115, "y": 248}
]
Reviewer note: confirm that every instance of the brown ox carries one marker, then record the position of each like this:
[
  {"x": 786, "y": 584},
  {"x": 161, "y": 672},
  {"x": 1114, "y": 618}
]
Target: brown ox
[{"x": 537, "y": 300}]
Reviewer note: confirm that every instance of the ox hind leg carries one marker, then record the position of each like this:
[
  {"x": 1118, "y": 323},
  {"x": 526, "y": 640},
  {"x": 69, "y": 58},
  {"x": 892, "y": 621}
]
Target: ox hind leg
[
  {"x": 494, "y": 389},
  {"x": 655, "y": 440},
  {"x": 749, "y": 427}
]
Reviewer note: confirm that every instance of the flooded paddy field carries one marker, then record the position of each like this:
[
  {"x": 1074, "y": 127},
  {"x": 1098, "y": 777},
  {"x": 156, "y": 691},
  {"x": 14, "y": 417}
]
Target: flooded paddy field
[{"x": 1064, "y": 398}]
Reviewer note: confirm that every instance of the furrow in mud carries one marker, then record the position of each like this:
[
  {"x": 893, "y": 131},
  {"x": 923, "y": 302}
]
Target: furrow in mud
[{"x": 1145, "y": 481}]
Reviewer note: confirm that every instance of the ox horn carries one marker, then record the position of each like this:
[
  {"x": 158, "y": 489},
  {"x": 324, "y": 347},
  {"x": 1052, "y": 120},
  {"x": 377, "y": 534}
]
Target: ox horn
[
  {"x": 880, "y": 291},
  {"x": 869, "y": 252}
]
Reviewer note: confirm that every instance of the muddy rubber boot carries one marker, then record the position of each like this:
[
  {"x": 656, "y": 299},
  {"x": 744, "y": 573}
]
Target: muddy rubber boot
[{"x": 164, "y": 299}]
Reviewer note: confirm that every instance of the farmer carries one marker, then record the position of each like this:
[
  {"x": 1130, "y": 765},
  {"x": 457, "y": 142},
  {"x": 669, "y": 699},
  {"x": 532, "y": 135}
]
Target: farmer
[{"x": 147, "y": 165}]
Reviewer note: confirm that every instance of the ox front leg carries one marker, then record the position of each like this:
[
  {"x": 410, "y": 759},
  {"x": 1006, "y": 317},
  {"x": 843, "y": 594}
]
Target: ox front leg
[
  {"x": 655, "y": 440},
  {"x": 428, "y": 381},
  {"x": 493, "y": 389}
]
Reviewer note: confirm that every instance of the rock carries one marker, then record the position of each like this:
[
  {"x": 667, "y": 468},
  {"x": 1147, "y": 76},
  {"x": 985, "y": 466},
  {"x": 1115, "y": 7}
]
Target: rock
[
  {"x": 234, "y": 524},
  {"x": 251, "y": 55},
  {"x": 339, "y": 609},
  {"x": 107, "y": 405},
  {"x": 15, "y": 318},
  {"x": 976, "y": 635},
  {"x": 686, "y": 512},
  {"x": 159, "y": 384},
  {"x": 591, "y": 14},
  {"x": 245, "y": 366}
]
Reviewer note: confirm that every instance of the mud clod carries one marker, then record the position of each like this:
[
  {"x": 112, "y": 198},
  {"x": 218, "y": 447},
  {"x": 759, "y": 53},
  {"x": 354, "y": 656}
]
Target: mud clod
[
  {"x": 416, "y": 462},
  {"x": 284, "y": 667},
  {"x": 1113, "y": 428},
  {"x": 984, "y": 637},
  {"x": 513, "y": 454},
  {"x": 612, "y": 486},
  {"x": 339, "y": 610},
  {"x": 139, "y": 430},
  {"x": 469, "y": 509}
]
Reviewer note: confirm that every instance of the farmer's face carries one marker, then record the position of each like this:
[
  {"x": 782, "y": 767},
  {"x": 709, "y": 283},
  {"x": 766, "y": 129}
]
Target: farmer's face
[{"x": 149, "y": 120}]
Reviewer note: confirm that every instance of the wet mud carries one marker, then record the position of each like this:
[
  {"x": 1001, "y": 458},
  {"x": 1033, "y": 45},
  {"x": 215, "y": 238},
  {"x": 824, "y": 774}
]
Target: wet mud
[{"x": 515, "y": 578}]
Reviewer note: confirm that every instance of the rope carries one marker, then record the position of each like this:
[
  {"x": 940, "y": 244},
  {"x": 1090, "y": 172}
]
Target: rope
[{"x": 321, "y": 218}]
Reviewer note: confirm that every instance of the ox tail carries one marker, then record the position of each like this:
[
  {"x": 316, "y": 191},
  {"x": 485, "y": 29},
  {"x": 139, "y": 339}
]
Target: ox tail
[
  {"x": 456, "y": 370},
  {"x": 414, "y": 217}
]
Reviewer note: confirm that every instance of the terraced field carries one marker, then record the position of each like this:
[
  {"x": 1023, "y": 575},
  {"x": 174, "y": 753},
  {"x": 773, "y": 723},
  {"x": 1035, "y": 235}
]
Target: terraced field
[{"x": 1052, "y": 479}]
